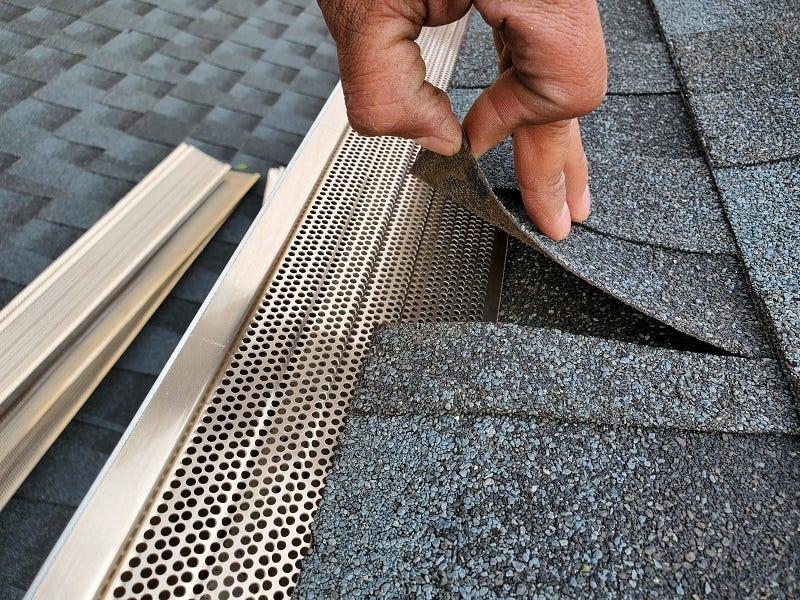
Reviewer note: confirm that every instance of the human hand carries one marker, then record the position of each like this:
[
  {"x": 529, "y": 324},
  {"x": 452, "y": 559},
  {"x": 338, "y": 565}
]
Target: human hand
[{"x": 554, "y": 69}]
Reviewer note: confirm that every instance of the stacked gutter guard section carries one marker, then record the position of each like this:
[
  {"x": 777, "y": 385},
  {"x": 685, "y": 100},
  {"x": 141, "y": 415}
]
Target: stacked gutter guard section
[
  {"x": 67, "y": 328},
  {"x": 214, "y": 486}
]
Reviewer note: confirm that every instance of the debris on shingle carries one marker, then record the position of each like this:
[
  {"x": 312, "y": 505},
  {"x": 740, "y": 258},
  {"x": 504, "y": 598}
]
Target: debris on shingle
[
  {"x": 499, "y": 506},
  {"x": 544, "y": 374}
]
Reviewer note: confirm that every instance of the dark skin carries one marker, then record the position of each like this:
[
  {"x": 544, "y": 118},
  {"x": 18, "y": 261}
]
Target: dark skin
[{"x": 553, "y": 62}]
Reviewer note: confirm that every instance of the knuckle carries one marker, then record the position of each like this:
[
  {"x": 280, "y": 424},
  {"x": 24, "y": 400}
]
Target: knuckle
[
  {"x": 365, "y": 121},
  {"x": 578, "y": 98}
]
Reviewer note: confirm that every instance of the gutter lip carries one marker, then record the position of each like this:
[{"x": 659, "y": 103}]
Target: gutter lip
[{"x": 129, "y": 478}]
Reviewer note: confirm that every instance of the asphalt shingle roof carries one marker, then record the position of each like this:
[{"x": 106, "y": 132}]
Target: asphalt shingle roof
[
  {"x": 93, "y": 94},
  {"x": 563, "y": 301},
  {"x": 591, "y": 452},
  {"x": 704, "y": 295},
  {"x": 507, "y": 506},
  {"x": 746, "y": 105},
  {"x": 484, "y": 368}
]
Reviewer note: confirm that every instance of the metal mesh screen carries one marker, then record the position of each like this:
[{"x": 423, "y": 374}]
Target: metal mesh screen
[{"x": 232, "y": 516}]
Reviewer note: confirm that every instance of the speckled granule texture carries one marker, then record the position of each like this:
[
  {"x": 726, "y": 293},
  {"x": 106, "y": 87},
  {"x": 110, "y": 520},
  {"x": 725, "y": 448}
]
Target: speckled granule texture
[
  {"x": 637, "y": 59},
  {"x": 703, "y": 295},
  {"x": 649, "y": 183},
  {"x": 480, "y": 368},
  {"x": 693, "y": 16},
  {"x": 508, "y": 507},
  {"x": 476, "y": 65},
  {"x": 742, "y": 77},
  {"x": 741, "y": 74},
  {"x": 764, "y": 208},
  {"x": 539, "y": 292}
]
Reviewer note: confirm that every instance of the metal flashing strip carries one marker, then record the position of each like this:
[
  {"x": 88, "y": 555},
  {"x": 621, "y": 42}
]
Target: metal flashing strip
[
  {"x": 49, "y": 312},
  {"x": 213, "y": 487},
  {"x": 36, "y": 417}
]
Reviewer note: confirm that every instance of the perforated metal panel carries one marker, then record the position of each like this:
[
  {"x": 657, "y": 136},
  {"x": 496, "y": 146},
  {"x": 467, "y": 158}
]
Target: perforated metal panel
[{"x": 232, "y": 517}]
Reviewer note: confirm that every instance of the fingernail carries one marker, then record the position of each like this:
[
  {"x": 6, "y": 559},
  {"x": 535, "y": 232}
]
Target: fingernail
[
  {"x": 438, "y": 144},
  {"x": 585, "y": 207},
  {"x": 566, "y": 223}
]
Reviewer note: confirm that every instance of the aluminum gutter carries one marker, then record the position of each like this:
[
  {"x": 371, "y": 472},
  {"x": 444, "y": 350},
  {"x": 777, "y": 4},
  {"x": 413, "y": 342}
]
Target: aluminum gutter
[{"x": 135, "y": 467}]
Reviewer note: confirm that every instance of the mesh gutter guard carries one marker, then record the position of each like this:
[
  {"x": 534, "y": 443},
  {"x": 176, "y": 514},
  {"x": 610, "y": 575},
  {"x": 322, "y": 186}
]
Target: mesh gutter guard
[
  {"x": 64, "y": 331},
  {"x": 212, "y": 489}
]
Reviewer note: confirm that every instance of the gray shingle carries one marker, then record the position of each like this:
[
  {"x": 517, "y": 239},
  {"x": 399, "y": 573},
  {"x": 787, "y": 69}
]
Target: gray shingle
[
  {"x": 8, "y": 290},
  {"x": 763, "y": 205},
  {"x": 479, "y": 368},
  {"x": 626, "y": 20},
  {"x": 565, "y": 302},
  {"x": 84, "y": 448},
  {"x": 476, "y": 65},
  {"x": 739, "y": 66},
  {"x": 700, "y": 294},
  {"x": 648, "y": 199},
  {"x": 666, "y": 202},
  {"x": 43, "y": 236},
  {"x": 114, "y": 402},
  {"x": 79, "y": 213},
  {"x": 640, "y": 68},
  {"x": 159, "y": 128},
  {"x": 16, "y": 209},
  {"x": 27, "y": 532},
  {"x": 638, "y": 62},
  {"x": 748, "y": 127},
  {"x": 40, "y": 63},
  {"x": 694, "y": 16},
  {"x": 649, "y": 125},
  {"x": 13, "y": 89},
  {"x": 20, "y": 265},
  {"x": 149, "y": 351},
  {"x": 135, "y": 93},
  {"x": 507, "y": 507},
  {"x": 41, "y": 22},
  {"x": 740, "y": 58}
]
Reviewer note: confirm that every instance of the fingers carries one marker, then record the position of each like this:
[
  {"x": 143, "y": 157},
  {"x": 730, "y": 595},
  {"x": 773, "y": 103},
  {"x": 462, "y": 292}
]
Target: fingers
[
  {"x": 576, "y": 174},
  {"x": 502, "y": 108},
  {"x": 383, "y": 74},
  {"x": 552, "y": 173},
  {"x": 540, "y": 153},
  {"x": 557, "y": 71}
]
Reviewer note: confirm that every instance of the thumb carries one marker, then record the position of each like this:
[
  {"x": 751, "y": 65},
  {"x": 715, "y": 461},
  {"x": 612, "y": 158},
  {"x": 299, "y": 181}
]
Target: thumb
[{"x": 383, "y": 79}]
